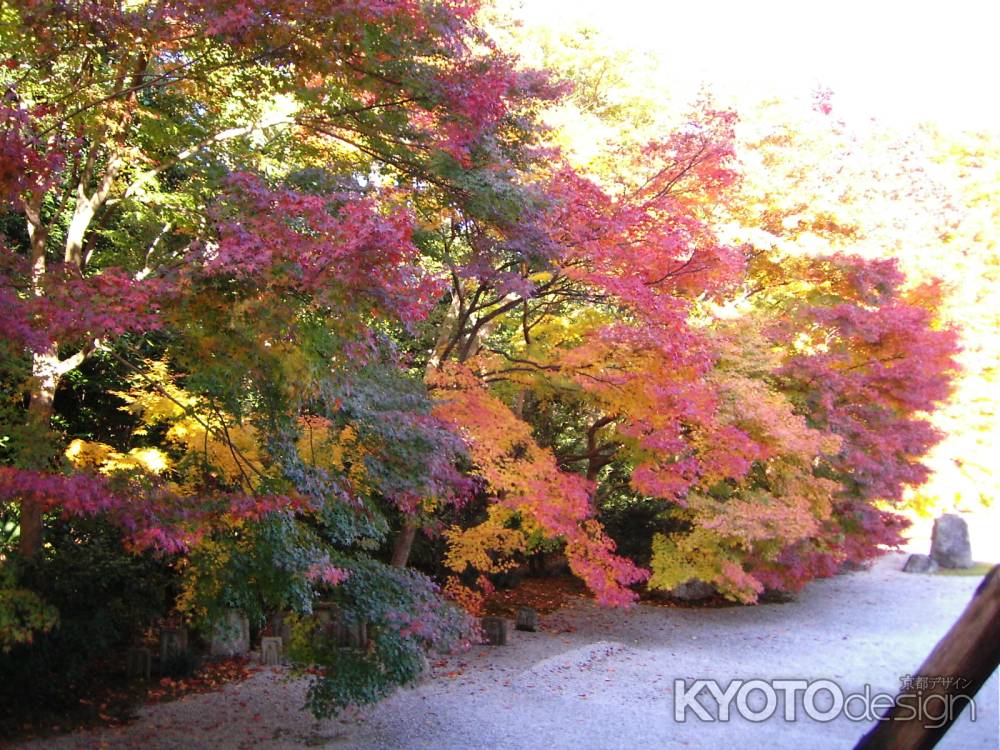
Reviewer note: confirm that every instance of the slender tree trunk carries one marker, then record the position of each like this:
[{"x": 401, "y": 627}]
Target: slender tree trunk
[
  {"x": 44, "y": 377},
  {"x": 404, "y": 543},
  {"x": 45, "y": 371},
  {"x": 30, "y": 541},
  {"x": 455, "y": 343},
  {"x": 46, "y": 367}
]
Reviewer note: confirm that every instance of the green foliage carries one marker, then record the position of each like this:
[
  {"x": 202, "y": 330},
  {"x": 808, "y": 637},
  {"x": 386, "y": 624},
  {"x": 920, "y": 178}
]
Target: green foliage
[
  {"x": 23, "y": 614},
  {"x": 404, "y": 615},
  {"x": 256, "y": 568},
  {"x": 9, "y": 527},
  {"x": 104, "y": 597}
]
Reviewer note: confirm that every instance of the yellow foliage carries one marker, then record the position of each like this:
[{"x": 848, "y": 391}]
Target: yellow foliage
[
  {"x": 340, "y": 451},
  {"x": 470, "y": 600},
  {"x": 228, "y": 446},
  {"x": 85, "y": 454},
  {"x": 701, "y": 555},
  {"x": 101, "y": 457},
  {"x": 216, "y": 437},
  {"x": 154, "y": 396},
  {"x": 680, "y": 557},
  {"x": 199, "y": 584},
  {"x": 541, "y": 277},
  {"x": 474, "y": 546}
]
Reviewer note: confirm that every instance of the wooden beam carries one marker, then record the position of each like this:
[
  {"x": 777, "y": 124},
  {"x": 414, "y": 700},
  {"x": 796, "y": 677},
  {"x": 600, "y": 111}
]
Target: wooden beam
[{"x": 958, "y": 666}]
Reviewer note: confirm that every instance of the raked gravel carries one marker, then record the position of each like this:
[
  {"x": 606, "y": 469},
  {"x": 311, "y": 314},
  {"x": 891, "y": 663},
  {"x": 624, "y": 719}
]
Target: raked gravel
[{"x": 598, "y": 678}]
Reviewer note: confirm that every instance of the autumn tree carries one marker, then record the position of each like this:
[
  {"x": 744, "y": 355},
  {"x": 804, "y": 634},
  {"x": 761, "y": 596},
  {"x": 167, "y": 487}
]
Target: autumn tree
[
  {"x": 230, "y": 203},
  {"x": 348, "y": 287},
  {"x": 647, "y": 356}
]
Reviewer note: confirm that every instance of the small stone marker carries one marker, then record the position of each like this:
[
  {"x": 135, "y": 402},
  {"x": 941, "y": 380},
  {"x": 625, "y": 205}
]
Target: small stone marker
[
  {"x": 527, "y": 620},
  {"x": 173, "y": 644},
  {"x": 853, "y": 566},
  {"x": 920, "y": 564},
  {"x": 231, "y": 634},
  {"x": 139, "y": 662},
  {"x": 270, "y": 650},
  {"x": 494, "y": 630},
  {"x": 950, "y": 547}
]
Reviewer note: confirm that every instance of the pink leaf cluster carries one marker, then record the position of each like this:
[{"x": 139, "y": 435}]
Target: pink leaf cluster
[
  {"x": 325, "y": 572},
  {"x": 68, "y": 307},
  {"x": 150, "y": 518},
  {"x": 29, "y": 165},
  {"x": 885, "y": 365},
  {"x": 343, "y": 250}
]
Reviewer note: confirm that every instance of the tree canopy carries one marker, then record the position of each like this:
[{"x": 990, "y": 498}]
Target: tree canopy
[{"x": 291, "y": 289}]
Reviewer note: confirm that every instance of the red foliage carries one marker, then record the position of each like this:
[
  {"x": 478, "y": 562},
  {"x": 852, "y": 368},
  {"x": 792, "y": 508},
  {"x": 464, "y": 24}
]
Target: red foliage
[
  {"x": 29, "y": 165},
  {"x": 883, "y": 366},
  {"x": 151, "y": 519},
  {"x": 340, "y": 249}
]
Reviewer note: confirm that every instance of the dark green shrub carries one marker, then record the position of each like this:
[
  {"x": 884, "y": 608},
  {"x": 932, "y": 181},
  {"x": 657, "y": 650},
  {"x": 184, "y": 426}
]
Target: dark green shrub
[
  {"x": 105, "y": 598},
  {"x": 405, "y": 617},
  {"x": 632, "y": 521}
]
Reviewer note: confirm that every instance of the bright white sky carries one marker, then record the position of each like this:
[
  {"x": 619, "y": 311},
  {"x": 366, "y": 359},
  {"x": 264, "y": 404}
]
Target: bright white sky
[{"x": 895, "y": 60}]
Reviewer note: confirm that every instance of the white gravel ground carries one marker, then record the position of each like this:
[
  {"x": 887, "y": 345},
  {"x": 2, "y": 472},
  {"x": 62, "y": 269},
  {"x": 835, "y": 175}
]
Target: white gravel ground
[{"x": 607, "y": 680}]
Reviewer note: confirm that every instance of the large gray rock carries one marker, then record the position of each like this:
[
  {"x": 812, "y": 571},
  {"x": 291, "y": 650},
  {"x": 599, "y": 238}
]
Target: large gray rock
[
  {"x": 231, "y": 634},
  {"x": 920, "y": 564},
  {"x": 950, "y": 547},
  {"x": 692, "y": 590}
]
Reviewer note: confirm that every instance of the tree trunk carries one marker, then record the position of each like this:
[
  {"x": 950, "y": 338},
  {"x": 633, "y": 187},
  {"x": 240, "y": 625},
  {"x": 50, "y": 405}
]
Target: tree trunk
[
  {"x": 404, "y": 543},
  {"x": 30, "y": 541},
  {"x": 45, "y": 371}
]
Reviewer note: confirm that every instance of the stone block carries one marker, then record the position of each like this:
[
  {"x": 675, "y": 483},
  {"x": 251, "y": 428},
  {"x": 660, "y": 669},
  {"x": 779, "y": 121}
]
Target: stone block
[
  {"x": 270, "y": 650},
  {"x": 527, "y": 619},
  {"x": 950, "y": 546},
  {"x": 231, "y": 634},
  {"x": 173, "y": 644},
  {"x": 494, "y": 631},
  {"x": 346, "y": 631}
]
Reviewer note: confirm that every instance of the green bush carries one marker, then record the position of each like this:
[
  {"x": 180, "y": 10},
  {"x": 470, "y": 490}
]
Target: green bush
[
  {"x": 632, "y": 521},
  {"x": 405, "y": 617},
  {"x": 104, "y": 596}
]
